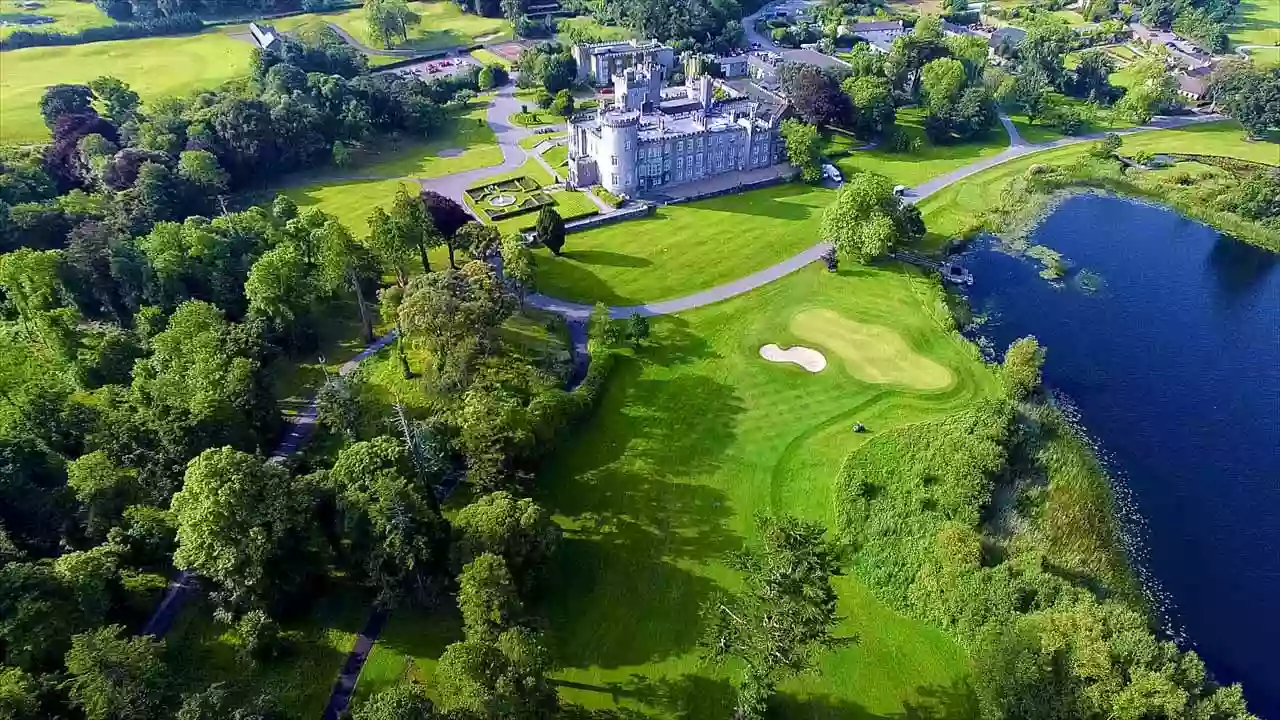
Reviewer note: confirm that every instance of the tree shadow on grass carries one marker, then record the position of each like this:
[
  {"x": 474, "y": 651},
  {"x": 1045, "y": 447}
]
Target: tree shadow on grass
[
  {"x": 620, "y": 592},
  {"x": 607, "y": 258},
  {"x": 688, "y": 697},
  {"x": 935, "y": 702},
  {"x": 567, "y": 279}
]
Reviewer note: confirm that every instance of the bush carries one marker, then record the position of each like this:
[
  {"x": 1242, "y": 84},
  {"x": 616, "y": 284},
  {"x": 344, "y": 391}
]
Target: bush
[{"x": 173, "y": 25}]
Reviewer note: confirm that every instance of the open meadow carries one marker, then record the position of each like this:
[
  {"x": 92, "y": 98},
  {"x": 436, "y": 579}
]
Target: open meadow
[{"x": 153, "y": 67}]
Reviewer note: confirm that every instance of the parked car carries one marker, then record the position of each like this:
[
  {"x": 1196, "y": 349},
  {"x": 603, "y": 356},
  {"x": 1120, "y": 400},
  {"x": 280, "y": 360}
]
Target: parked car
[
  {"x": 899, "y": 190},
  {"x": 832, "y": 173}
]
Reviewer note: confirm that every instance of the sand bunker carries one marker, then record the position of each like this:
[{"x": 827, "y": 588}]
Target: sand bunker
[
  {"x": 871, "y": 353},
  {"x": 807, "y": 358}
]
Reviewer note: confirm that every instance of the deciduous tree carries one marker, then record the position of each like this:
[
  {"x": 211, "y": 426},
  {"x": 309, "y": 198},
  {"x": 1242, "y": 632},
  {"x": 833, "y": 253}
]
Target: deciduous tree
[
  {"x": 1022, "y": 364},
  {"x": 785, "y": 615},
  {"x": 402, "y": 702},
  {"x": 804, "y": 149},
  {"x": 115, "y": 678},
  {"x": 866, "y": 219},
  {"x": 244, "y": 524},
  {"x": 516, "y": 529}
]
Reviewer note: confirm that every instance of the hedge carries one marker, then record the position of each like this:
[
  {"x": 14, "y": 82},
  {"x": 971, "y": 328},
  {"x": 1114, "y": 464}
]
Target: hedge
[{"x": 175, "y": 25}]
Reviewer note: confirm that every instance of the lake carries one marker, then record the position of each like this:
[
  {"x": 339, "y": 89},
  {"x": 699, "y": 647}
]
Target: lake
[{"x": 1172, "y": 361}]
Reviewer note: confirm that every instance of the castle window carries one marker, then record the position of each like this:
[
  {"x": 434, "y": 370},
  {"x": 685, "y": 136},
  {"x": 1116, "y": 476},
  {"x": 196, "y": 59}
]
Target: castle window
[{"x": 613, "y": 160}]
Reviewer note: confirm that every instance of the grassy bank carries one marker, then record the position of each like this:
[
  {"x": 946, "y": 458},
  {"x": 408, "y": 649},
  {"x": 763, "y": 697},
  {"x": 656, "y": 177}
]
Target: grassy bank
[{"x": 965, "y": 206}]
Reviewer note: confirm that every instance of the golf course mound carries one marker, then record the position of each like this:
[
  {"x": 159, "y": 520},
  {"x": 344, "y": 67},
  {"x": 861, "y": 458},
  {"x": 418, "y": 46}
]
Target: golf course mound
[
  {"x": 807, "y": 358},
  {"x": 871, "y": 353}
]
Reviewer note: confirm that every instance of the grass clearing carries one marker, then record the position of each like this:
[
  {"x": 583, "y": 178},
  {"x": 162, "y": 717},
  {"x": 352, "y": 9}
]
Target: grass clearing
[
  {"x": 352, "y": 201},
  {"x": 684, "y": 248},
  {"x": 913, "y": 168},
  {"x": 204, "y": 652},
  {"x": 153, "y": 67},
  {"x": 693, "y": 436},
  {"x": 484, "y": 57},
  {"x": 443, "y": 25},
  {"x": 586, "y": 26},
  {"x": 69, "y": 16},
  {"x": 871, "y": 353}
]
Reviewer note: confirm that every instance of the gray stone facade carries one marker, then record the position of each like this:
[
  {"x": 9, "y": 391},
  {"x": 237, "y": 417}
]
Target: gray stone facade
[
  {"x": 653, "y": 137},
  {"x": 599, "y": 62}
]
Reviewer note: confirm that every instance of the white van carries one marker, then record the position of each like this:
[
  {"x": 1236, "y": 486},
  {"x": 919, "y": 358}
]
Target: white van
[{"x": 832, "y": 173}]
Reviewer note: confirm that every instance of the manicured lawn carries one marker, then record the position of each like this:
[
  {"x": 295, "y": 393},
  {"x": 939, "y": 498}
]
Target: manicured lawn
[
  {"x": 154, "y": 67},
  {"x": 684, "y": 248},
  {"x": 69, "y": 15},
  {"x": 557, "y": 155},
  {"x": 1041, "y": 131},
  {"x": 350, "y": 201},
  {"x": 693, "y": 437},
  {"x": 443, "y": 25},
  {"x": 485, "y": 57},
  {"x": 691, "y": 440},
  {"x": 467, "y": 139},
  {"x": 1259, "y": 23},
  {"x": 954, "y": 209},
  {"x": 913, "y": 168}
]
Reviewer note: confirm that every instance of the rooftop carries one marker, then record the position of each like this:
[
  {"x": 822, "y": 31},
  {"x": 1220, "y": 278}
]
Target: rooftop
[
  {"x": 876, "y": 26},
  {"x": 606, "y": 48}
]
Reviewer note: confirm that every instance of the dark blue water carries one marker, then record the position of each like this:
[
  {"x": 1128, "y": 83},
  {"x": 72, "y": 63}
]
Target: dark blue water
[{"x": 1174, "y": 365}]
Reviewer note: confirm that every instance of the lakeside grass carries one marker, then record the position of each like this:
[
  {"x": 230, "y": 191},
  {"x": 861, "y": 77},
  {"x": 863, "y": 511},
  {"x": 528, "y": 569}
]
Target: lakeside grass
[
  {"x": 684, "y": 248},
  {"x": 956, "y": 210},
  {"x": 913, "y": 168},
  {"x": 694, "y": 434},
  {"x": 153, "y": 67}
]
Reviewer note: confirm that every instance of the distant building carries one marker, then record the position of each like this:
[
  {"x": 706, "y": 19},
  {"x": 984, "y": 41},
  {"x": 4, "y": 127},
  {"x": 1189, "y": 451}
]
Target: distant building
[
  {"x": 653, "y": 136},
  {"x": 599, "y": 62},
  {"x": 1182, "y": 52},
  {"x": 1009, "y": 36},
  {"x": 1192, "y": 88},
  {"x": 265, "y": 36},
  {"x": 733, "y": 67}
]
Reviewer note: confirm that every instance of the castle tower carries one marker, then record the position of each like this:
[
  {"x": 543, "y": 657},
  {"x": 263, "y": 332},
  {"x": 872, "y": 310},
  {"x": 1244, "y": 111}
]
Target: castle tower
[{"x": 619, "y": 138}]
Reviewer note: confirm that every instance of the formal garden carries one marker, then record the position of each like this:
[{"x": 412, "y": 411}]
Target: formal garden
[{"x": 508, "y": 198}]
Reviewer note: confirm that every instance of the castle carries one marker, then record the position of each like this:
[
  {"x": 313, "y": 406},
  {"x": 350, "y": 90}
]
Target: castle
[
  {"x": 599, "y": 62},
  {"x": 654, "y": 136}
]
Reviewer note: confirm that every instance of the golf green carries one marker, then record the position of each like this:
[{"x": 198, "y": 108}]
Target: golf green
[{"x": 695, "y": 434}]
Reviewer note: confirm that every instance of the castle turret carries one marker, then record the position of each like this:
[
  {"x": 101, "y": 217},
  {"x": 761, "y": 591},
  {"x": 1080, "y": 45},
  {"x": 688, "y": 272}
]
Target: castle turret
[{"x": 619, "y": 139}]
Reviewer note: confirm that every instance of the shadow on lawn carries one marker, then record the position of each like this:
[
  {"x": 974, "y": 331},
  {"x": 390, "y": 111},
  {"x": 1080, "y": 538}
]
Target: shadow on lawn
[
  {"x": 768, "y": 202},
  {"x": 636, "y": 516},
  {"x": 693, "y": 697},
  {"x": 607, "y": 258}
]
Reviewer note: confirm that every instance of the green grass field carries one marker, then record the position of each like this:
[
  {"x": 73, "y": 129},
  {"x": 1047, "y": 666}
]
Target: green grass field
[
  {"x": 913, "y": 168},
  {"x": 955, "y": 208},
  {"x": 69, "y": 15},
  {"x": 154, "y": 67},
  {"x": 1100, "y": 119},
  {"x": 443, "y": 25},
  {"x": 1259, "y": 23},
  {"x": 693, "y": 437},
  {"x": 684, "y": 248},
  {"x": 588, "y": 25}
]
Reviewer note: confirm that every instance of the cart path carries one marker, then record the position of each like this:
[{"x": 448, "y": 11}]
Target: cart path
[{"x": 1017, "y": 148}]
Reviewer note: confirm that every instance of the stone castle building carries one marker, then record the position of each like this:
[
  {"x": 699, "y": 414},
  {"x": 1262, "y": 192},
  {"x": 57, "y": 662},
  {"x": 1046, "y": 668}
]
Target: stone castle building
[
  {"x": 654, "y": 136},
  {"x": 599, "y": 62}
]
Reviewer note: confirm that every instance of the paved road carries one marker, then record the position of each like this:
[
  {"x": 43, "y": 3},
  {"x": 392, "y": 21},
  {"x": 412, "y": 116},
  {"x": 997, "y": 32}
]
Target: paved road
[
  {"x": 1018, "y": 147},
  {"x": 301, "y": 427},
  {"x": 503, "y": 107}
]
